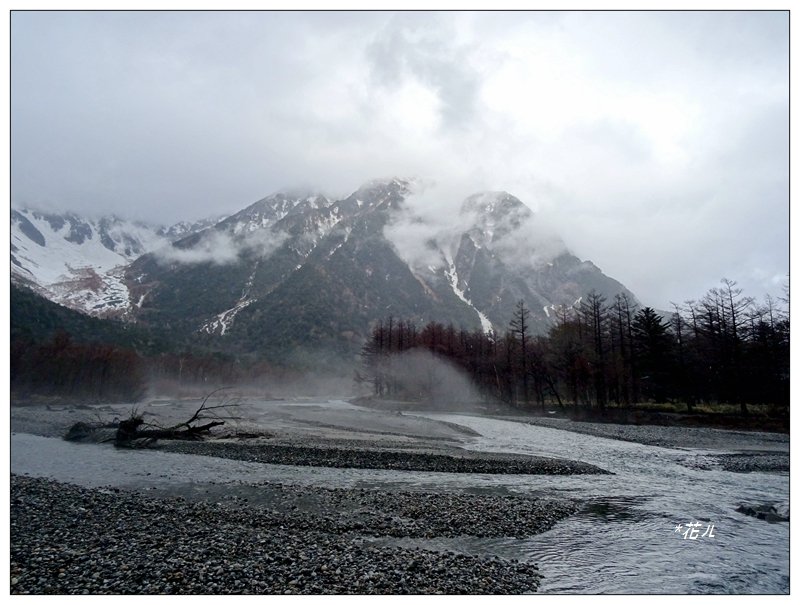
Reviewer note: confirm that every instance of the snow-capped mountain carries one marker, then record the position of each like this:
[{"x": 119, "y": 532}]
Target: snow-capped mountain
[
  {"x": 304, "y": 271},
  {"x": 184, "y": 228},
  {"x": 80, "y": 262},
  {"x": 498, "y": 253},
  {"x": 294, "y": 269},
  {"x": 257, "y": 254}
]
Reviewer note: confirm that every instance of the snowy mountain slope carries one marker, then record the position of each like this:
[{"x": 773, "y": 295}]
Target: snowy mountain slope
[
  {"x": 300, "y": 271},
  {"x": 80, "y": 262},
  {"x": 495, "y": 253},
  {"x": 218, "y": 273},
  {"x": 507, "y": 255}
]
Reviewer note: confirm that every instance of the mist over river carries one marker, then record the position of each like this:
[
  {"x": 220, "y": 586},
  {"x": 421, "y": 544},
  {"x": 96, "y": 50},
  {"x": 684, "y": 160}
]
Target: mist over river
[{"x": 631, "y": 533}]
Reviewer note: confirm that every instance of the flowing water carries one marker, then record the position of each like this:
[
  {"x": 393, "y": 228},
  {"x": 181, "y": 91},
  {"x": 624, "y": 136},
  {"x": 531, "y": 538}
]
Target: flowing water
[{"x": 624, "y": 539}]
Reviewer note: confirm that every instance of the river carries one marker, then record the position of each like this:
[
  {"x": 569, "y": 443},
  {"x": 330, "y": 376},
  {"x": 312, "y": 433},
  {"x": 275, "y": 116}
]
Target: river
[{"x": 632, "y": 534}]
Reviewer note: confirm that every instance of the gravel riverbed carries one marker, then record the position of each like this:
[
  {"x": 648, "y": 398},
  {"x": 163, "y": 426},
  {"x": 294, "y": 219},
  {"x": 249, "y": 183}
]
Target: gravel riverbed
[
  {"x": 179, "y": 536},
  {"x": 667, "y": 436},
  {"x": 755, "y": 451},
  {"x": 291, "y": 540},
  {"x": 381, "y": 458}
]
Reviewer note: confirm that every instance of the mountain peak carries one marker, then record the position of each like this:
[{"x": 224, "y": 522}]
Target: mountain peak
[
  {"x": 377, "y": 194},
  {"x": 382, "y": 188},
  {"x": 494, "y": 215},
  {"x": 267, "y": 211},
  {"x": 333, "y": 266},
  {"x": 388, "y": 182},
  {"x": 495, "y": 203}
]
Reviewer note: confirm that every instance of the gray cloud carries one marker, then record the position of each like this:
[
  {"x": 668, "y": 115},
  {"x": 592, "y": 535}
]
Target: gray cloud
[
  {"x": 430, "y": 222},
  {"x": 222, "y": 248},
  {"x": 435, "y": 217},
  {"x": 656, "y": 144},
  {"x": 422, "y": 47}
]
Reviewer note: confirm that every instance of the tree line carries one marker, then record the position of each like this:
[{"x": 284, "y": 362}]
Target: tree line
[
  {"x": 58, "y": 352},
  {"x": 721, "y": 348},
  {"x": 101, "y": 371},
  {"x": 62, "y": 367}
]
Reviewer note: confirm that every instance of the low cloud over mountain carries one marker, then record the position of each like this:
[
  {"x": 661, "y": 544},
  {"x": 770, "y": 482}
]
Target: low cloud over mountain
[{"x": 301, "y": 269}]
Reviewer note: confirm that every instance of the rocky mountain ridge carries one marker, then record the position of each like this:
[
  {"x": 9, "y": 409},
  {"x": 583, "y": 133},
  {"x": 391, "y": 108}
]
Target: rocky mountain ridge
[{"x": 296, "y": 270}]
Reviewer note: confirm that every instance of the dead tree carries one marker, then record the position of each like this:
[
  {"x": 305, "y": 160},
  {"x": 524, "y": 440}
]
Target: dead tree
[{"x": 135, "y": 432}]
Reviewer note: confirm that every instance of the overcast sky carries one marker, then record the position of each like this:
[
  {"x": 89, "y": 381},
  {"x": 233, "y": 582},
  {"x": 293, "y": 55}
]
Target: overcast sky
[{"x": 656, "y": 143}]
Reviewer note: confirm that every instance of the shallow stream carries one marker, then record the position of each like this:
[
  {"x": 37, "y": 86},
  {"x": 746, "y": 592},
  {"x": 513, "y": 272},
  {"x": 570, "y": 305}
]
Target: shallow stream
[{"x": 624, "y": 539}]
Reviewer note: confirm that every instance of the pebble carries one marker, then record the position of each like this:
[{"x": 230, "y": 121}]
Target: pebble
[
  {"x": 340, "y": 457},
  {"x": 180, "y": 546},
  {"x": 741, "y": 462}
]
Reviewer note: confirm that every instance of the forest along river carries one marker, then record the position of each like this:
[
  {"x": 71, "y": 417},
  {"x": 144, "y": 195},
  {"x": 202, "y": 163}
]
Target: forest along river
[{"x": 623, "y": 540}]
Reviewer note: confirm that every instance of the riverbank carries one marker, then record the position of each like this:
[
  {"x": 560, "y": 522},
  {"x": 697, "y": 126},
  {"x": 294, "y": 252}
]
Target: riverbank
[
  {"x": 71, "y": 540},
  {"x": 620, "y": 539},
  {"x": 265, "y": 538},
  {"x": 383, "y": 458},
  {"x": 402, "y": 436},
  {"x": 756, "y": 421}
]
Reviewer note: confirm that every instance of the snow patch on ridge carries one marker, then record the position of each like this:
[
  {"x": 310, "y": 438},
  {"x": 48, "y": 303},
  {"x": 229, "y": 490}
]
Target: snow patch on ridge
[
  {"x": 223, "y": 321},
  {"x": 452, "y": 278},
  {"x": 83, "y": 273},
  {"x": 560, "y": 308}
]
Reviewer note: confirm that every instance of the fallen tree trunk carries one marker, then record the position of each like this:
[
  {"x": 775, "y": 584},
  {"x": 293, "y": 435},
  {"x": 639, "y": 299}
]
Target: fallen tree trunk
[
  {"x": 134, "y": 432},
  {"x": 186, "y": 433}
]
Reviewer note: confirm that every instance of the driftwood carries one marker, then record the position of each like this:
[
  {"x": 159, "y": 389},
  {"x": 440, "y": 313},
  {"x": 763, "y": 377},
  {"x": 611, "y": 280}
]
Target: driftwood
[{"x": 135, "y": 432}]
